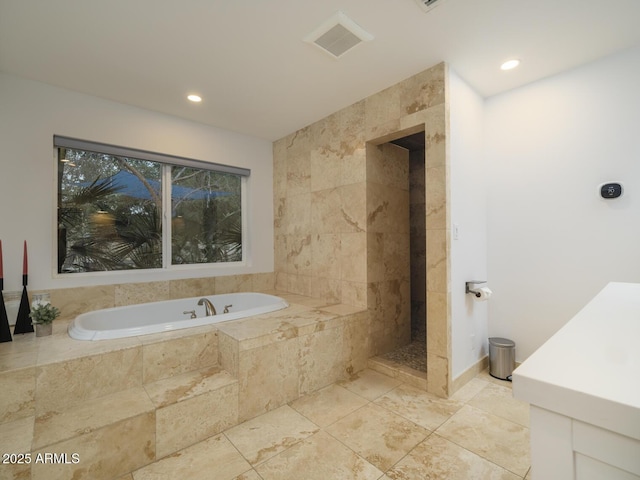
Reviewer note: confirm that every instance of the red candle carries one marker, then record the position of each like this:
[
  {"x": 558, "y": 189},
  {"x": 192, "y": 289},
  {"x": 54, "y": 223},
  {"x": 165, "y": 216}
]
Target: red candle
[{"x": 24, "y": 260}]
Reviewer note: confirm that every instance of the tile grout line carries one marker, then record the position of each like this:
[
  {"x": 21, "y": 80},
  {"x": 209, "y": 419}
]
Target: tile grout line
[
  {"x": 224, "y": 434},
  {"x": 477, "y": 454}
]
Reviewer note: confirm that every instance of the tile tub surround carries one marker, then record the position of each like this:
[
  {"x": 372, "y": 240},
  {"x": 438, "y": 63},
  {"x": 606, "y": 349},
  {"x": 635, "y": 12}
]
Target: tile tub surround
[
  {"x": 171, "y": 390},
  {"x": 336, "y": 203}
]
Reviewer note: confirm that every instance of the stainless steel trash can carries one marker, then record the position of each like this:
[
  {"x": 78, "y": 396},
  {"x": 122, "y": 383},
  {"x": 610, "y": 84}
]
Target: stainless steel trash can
[{"x": 502, "y": 357}]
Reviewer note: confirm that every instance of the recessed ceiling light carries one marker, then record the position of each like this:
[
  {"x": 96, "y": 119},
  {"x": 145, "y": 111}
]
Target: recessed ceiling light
[
  {"x": 194, "y": 98},
  {"x": 510, "y": 64}
]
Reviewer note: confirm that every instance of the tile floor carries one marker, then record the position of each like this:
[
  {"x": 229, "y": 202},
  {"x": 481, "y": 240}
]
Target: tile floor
[{"x": 372, "y": 427}]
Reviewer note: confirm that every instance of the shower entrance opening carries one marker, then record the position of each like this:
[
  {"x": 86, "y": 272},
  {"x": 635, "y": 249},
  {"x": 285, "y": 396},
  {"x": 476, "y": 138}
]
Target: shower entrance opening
[{"x": 413, "y": 355}]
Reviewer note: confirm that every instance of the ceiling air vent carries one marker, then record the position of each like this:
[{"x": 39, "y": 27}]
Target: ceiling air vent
[
  {"x": 337, "y": 35},
  {"x": 429, "y": 4}
]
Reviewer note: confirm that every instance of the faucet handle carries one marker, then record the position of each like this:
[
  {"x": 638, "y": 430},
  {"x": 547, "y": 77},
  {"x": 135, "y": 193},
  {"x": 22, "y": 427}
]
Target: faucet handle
[
  {"x": 226, "y": 308},
  {"x": 192, "y": 312}
]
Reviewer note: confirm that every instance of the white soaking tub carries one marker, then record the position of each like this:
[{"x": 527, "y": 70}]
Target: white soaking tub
[{"x": 164, "y": 316}]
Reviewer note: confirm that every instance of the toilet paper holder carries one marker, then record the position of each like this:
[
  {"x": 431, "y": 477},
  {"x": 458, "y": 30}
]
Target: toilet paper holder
[{"x": 469, "y": 287}]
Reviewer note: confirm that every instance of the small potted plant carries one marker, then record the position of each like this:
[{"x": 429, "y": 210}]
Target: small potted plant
[{"x": 42, "y": 315}]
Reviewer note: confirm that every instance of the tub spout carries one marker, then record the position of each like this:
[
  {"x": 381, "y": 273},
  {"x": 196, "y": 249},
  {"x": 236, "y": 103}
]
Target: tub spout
[{"x": 209, "y": 309}]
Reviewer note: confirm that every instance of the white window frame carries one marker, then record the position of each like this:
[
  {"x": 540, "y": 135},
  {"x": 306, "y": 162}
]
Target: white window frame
[{"x": 167, "y": 162}]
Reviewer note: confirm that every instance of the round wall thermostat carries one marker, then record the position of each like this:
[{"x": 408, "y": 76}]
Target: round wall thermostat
[{"x": 610, "y": 190}]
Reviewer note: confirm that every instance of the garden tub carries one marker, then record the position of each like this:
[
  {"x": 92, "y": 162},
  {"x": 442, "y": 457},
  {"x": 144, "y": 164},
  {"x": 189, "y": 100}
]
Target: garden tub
[{"x": 164, "y": 316}]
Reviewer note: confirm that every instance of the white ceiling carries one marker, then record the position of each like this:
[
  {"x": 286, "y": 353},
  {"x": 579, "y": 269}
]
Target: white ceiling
[{"x": 257, "y": 76}]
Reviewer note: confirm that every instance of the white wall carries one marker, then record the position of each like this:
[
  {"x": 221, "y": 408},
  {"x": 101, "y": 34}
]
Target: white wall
[
  {"x": 31, "y": 113},
  {"x": 469, "y": 212},
  {"x": 553, "y": 242}
]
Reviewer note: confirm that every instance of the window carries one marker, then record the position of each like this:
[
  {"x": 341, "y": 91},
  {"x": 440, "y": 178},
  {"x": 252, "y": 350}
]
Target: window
[{"x": 125, "y": 209}]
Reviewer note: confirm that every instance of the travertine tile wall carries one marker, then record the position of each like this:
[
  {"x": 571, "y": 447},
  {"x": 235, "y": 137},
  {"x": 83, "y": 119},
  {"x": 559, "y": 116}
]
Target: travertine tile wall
[
  {"x": 388, "y": 247},
  {"x": 326, "y": 203},
  {"x": 77, "y": 300},
  {"x": 320, "y": 209},
  {"x": 418, "y": 235}
]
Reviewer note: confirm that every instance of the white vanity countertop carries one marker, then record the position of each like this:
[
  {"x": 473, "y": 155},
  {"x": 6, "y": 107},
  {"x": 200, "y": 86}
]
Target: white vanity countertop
[{"x": 590, "y": 369}]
